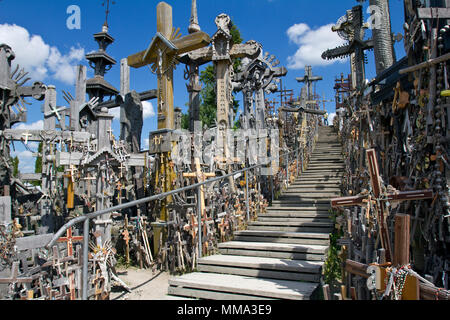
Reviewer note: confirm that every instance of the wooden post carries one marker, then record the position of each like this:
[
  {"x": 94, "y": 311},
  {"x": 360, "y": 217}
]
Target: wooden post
[{"x": 402, "y": 239}]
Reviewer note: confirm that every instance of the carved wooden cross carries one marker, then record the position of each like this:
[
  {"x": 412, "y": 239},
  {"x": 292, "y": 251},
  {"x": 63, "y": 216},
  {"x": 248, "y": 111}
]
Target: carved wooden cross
[
  {"x": 381, "y": 200},
  {"x": 14, "y": 276},
  {"x": 201, "y": 177},
  {"x": 162, "y": 53},
  {"x": 70, "y": 240}
]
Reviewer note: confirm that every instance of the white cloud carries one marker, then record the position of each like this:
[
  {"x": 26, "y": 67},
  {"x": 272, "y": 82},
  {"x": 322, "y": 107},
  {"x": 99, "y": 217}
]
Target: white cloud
[
  {"x": 38, "y": 58},
  {"x": 115, "y": 112},
  {"x": 148, "y": 111},
  {"x": 146, "y": 143},
  {"x": 38, "y": 125},
  {"x": 312, "y": 43}
]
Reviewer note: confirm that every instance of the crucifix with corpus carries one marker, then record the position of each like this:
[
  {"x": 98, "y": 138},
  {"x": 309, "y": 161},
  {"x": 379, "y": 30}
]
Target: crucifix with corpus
[{"x": 380, "y": 199}]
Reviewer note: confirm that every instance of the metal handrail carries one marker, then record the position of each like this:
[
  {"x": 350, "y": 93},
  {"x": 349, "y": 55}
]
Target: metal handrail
[{"x": 87, "y": 217}]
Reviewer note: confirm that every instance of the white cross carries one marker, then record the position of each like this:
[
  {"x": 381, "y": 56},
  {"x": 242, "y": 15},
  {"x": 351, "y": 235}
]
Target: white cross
[
  {"x": 27, "y": 135},
  {"x": 55, "y": 111}
]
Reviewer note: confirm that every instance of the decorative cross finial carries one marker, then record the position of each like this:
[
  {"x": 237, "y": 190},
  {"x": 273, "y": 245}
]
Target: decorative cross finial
[
  {"x": 193, "y": 22},
  {"x": 107, "y": 11}
]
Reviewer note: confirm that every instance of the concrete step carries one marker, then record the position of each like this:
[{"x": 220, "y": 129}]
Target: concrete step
[
  {"x": 324, "y": 223},
  {"x": 307, "y": 196},
  {"x": 241, "y": 285},
  {"x": 321, "y": 229},
  {"x": 296, "y": 219},
  {"x": 315, "y": 186},
  {"x": 308, "y": 203},
  {"x": 294, "y": 213},
  {"x": 303, "y": 238},
  {"x": 261, "y": 267},
  {"x": 274, "y": 247}
]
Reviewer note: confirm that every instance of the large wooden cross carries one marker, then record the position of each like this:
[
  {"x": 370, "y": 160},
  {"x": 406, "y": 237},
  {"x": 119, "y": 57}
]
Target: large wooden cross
[
  {"x": 381, "y": 199},
  {"x": 201, "y": 177},
  {"x": 162, "y": 52}
]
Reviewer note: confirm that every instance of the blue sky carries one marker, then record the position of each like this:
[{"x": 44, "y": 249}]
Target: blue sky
[{"x": 295, "y": 31}]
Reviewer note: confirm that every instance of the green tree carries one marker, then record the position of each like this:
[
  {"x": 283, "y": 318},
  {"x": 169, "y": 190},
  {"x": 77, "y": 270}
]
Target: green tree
[
  {"x": 38, "y": 164},
  {"x": 15, "y": 163}
]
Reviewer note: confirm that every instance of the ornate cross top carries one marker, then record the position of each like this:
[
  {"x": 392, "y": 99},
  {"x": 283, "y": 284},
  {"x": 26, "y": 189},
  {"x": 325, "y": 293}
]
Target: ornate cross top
[
  {"x": 381, "y": 199},
  {"x": 107, "y": 11},
  {"x": 166, "y": 45}
]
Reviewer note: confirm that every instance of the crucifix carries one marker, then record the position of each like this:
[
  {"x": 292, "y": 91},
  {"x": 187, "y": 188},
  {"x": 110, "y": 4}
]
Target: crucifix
[
  {"x": 201, "y": 177},
  {"x": 380, "y": 198},
  {"x": 69, "y": 239},
  {"x": 351, "y": 28},
  {"x": 162, "y": 54}
]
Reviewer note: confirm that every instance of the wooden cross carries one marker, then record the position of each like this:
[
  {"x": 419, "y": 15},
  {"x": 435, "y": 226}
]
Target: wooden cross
[
  {"x": 381, "y": 199},
  {"x": 201, "y": 177},
  {"x": 14, "y": 276},
  {"x": 162, "y": 53},
  {"x": 70, "y": 240}
]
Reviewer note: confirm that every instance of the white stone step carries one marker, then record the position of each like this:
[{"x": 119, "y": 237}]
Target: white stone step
[{"x": 272, "y": 288}]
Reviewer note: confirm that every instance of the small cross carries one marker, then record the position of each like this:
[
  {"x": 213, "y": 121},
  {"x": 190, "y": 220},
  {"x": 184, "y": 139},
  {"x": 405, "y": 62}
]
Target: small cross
[
  {"x": 157, "y": 140},
  {"x": 27, "y": 135},
  {"x": 70, "y": 240},
  {"x": 110, "y": 131}
]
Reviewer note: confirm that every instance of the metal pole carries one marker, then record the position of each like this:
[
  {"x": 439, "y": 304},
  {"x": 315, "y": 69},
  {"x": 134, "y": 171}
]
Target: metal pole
[
  {"x": 287, "y": 169},
  {"x": 271, "y": 186},
  {"x": 246, "y": 196},
  {"x": 85, "y": 259},
  {"x": 301, "y": 162},
  {"x": 199, "y": 223}
]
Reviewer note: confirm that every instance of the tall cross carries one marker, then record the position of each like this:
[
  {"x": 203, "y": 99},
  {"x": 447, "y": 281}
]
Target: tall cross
[
  {"x": 309, "y": 79},
  {"x": 381, "y": 200},
  {"x": 201, "y": 177},
  {"x": 162, "y": 53}
]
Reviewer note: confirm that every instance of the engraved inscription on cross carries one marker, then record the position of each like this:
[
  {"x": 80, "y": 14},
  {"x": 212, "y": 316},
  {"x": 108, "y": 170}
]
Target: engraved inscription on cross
[
  {"x": 162, "y": 53},
  {"x": 381, "y": 200}
]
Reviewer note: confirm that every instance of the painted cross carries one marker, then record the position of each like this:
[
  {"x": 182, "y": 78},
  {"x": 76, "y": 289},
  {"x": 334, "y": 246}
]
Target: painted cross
[
  {"x": 162, "y": 52},
  {"x": 381, "y": 200},
  {"x": 70, "y": 240}
]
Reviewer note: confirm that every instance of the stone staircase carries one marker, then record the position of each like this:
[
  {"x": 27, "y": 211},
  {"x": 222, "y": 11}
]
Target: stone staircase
[{"x": 281, "y": 254}]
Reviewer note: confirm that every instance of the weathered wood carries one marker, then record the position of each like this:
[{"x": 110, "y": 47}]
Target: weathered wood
[
  {"x": 33, "y": 242},
  {"x": 211, "y": 295},
  {"x": 402, "y": 240},
  {"x": 5, "y": 210},
  {"x": 271, "y": 288},
  {"x": 264, "y": 263}
]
